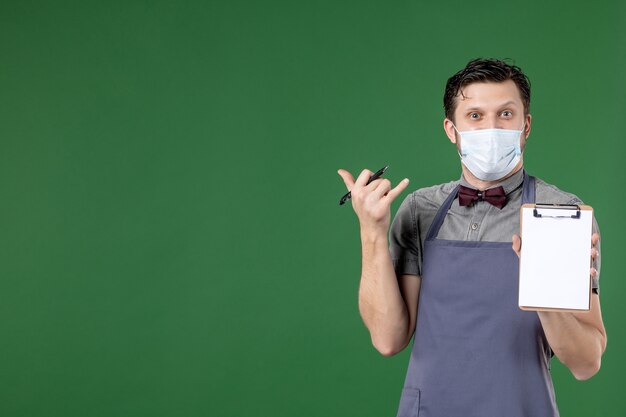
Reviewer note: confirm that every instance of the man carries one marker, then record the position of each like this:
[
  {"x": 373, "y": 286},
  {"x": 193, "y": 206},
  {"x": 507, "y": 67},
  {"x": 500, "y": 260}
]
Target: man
[{"x": 454, "y": 248}]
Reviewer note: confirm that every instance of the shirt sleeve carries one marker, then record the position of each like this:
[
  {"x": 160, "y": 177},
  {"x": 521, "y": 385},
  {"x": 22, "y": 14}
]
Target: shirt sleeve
[{"x": 403, "y": 239}]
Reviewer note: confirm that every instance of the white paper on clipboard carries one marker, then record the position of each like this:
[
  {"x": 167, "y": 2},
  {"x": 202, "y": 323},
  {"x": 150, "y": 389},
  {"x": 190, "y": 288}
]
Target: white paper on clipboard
[{"x": 555, "y": 257}]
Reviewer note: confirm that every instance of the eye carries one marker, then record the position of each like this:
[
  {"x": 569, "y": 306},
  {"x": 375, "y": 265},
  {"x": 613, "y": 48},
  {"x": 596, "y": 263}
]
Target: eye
[
  {"x": 473, "y": 115},
  {"x": 507, "y": 113}
]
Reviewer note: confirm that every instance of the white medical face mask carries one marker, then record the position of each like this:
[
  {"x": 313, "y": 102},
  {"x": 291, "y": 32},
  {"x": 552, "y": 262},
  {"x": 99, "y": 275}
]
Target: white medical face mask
[{"x": 490, "y": 154}]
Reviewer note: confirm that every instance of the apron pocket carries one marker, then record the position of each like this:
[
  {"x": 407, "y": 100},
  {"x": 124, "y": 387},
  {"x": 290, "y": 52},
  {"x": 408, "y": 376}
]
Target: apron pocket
[{"x": 409, "y": 403}]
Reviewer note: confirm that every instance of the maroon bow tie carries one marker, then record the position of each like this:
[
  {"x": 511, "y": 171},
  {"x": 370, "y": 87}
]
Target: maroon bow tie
[{"x": 494, "y": 196}]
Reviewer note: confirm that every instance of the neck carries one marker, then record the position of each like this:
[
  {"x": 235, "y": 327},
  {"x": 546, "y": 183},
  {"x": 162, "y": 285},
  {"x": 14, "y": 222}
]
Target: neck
[{"x": 482, "y": 185}]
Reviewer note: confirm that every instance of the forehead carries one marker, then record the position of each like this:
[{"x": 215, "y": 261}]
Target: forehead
[{"x": 489, "y": 95}]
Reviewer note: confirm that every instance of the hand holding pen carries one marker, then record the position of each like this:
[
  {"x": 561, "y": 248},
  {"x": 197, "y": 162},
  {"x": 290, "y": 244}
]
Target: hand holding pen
[
  {"x": 375, "y": 176},
  {"x": 371, "y": 198}
]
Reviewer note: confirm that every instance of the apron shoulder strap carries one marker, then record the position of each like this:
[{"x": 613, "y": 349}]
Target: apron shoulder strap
[
  {"x": 433, "y": 231},
  {"x": 528, "y": 191}
]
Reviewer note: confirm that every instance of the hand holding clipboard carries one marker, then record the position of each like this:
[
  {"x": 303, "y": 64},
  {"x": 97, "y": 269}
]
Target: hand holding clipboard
[{"x": 555, "y": 259}]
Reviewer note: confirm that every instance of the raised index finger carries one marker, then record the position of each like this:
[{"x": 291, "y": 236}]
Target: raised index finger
[{"x": 348, "y": 179}]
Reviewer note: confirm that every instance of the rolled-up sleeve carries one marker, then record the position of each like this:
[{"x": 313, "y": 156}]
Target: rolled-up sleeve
[{"x": 403, "y": 239}]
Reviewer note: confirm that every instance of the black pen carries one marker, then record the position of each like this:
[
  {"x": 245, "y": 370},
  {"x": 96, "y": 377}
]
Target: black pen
[{"x": 376, "y": 175}]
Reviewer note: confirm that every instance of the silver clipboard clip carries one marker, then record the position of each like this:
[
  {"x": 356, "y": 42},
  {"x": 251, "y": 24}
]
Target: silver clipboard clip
[{"x": 545, "y": 208}]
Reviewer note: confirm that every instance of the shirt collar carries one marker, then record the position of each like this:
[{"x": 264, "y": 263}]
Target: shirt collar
[{"x": 510, "y": 184}]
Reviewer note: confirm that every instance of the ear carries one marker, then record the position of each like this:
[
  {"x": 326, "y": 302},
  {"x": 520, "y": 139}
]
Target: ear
[
  {"x": 528, "y": 119},
  {"x": 448, "y": 126}
]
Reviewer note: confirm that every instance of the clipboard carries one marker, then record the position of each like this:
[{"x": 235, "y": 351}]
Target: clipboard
[{"x": 555, "y": 257}]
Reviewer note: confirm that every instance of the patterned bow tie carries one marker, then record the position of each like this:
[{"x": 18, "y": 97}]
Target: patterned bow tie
[{"x": 494, "y": 196}]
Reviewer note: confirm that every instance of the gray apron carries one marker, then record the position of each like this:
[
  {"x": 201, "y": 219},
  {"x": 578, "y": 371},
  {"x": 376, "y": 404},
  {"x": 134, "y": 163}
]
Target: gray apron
[{"x": 475, "y": 353}]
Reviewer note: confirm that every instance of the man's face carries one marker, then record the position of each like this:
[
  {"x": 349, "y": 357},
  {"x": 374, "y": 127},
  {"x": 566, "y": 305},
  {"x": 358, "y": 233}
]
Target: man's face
[{"x": 488, "y": 105}]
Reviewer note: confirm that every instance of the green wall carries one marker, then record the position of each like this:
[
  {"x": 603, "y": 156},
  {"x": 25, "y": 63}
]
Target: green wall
[{"x": 171, "y": 243}]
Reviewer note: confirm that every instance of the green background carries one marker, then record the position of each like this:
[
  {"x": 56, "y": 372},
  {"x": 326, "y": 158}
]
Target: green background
[{"x": 171, "y": 239}]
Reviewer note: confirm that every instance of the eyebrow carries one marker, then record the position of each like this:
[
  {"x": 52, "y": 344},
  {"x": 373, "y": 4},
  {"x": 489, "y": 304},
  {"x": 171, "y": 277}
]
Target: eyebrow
[{"x": 506, "y": 104}]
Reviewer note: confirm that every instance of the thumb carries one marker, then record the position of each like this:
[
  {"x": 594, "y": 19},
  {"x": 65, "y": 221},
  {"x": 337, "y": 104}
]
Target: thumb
[
  {"x": 517, "y": 245},
  {"x": 399, "y": 188}
]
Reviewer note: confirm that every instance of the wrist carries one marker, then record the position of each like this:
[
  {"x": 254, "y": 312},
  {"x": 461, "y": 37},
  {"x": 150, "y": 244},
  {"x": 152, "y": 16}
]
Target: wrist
[{"x": 374, "y": 236}]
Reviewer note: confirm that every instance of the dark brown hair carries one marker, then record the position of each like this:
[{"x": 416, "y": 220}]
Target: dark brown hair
[{"x": 485, "y": 70}]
